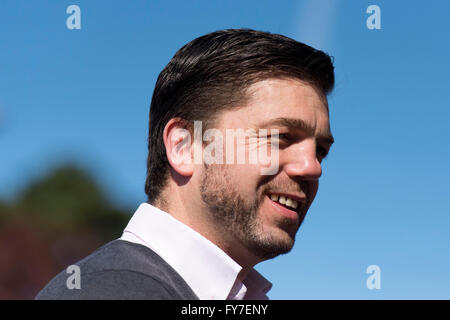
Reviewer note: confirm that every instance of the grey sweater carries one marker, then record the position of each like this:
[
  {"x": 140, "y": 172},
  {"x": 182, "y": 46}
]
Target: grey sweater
[{"x": 121, "y": 270}]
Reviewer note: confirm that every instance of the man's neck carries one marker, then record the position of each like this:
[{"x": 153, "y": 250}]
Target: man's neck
[{"x": 195, "y": 216}]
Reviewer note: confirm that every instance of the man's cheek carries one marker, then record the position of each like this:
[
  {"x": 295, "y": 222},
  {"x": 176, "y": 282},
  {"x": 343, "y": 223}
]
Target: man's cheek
[
  {"x": 269, "y": 156},
  {"x": 313, "y": 187}
]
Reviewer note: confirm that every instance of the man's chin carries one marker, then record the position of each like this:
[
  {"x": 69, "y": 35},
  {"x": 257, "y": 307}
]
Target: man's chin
[{"x": 269, "y": 248}]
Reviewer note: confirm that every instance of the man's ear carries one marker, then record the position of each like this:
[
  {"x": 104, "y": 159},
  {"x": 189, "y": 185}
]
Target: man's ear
[{"x": 179, "y": 146}]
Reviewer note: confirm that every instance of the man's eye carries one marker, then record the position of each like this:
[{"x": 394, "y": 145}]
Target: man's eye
[
  {"x": 285, "y": 136},
  {"x": 322, "y": 152}
]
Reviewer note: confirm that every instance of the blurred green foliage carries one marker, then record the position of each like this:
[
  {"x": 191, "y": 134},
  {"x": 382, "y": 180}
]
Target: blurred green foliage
[
  {"x": 55, "y": 221},
  {"x": 65, "y": 200}
]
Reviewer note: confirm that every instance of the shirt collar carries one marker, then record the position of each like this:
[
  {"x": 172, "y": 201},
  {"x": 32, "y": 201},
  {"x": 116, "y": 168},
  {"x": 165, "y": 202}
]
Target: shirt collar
[{"x": 207, "y": 269}]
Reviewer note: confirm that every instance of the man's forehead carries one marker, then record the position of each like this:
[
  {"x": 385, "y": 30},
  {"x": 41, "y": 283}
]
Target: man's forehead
[
  {"x": 280, "y": 98},
  {"x": 285, "y": 89}
]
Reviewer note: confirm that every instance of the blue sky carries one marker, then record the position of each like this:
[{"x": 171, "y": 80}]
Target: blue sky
[{"x": 84, "y": 95}]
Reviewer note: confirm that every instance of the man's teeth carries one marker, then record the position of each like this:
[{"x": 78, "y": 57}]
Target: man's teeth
[{"x": 284, "y": 200}]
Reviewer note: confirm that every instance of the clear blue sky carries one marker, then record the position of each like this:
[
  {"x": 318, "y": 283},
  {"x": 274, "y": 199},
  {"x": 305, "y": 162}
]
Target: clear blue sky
[{"x": 384, "y": 197}]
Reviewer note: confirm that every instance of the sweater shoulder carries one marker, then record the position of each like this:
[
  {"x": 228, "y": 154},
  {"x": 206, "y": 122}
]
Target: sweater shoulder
[
  {"x": 120, "y": 270},
  {"x": 110, "y": 285}
]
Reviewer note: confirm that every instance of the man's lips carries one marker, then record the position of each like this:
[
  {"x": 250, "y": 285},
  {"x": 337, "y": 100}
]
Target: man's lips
[
  {"x": 290, "y": 213},
  {"x": 294, "y": 201}
]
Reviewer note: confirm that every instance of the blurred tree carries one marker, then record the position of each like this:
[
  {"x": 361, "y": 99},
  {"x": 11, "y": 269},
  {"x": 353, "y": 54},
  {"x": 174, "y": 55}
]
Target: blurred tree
[
  {"x": 57, "y": 220},
  {"x": 67, "y": 199}
]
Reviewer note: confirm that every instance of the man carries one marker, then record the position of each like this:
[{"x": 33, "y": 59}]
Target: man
[{"x": 210, "y": 219}]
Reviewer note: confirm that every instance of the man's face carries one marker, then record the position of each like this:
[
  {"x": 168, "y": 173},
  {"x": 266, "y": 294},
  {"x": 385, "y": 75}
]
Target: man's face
[{"x": 242, "y": 202}]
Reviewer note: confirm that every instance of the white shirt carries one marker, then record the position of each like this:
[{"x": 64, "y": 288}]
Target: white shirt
[{"x": 207, "y": 269}]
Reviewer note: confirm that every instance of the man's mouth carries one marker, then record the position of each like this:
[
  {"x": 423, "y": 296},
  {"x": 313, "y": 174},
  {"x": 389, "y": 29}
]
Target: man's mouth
[{"x": 291, "y": 203}]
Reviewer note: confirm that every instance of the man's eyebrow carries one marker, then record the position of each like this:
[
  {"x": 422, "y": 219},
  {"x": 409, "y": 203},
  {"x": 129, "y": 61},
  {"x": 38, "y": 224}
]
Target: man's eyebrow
[{"x": 293, "y": 123}]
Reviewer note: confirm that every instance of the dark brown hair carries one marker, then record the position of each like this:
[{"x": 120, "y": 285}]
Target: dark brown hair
[{"x": 211, "y": 73}]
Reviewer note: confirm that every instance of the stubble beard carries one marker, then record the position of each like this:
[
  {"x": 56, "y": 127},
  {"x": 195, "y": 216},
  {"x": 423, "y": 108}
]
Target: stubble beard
[{"x": 236, "y": 216}]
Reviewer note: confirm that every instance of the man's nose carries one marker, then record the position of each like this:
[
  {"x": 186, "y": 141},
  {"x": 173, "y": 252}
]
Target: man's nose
[{"x": 302, "y": 162}]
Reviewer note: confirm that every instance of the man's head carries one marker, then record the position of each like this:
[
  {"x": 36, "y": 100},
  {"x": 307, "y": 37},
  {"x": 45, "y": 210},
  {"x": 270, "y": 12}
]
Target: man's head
[{"x": 241, "y": 79}]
